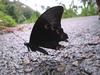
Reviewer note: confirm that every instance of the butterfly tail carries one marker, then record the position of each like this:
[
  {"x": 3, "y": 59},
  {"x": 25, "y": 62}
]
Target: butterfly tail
[{"x": 42, "y": 50}]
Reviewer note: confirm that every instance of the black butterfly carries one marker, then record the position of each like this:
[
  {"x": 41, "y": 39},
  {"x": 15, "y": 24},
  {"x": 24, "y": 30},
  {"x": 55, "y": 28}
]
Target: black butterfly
[{"x": 47, "y": 31}]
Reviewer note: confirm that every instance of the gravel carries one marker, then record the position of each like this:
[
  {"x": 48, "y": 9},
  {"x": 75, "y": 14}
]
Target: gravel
[{"x": 81, "y": 55}]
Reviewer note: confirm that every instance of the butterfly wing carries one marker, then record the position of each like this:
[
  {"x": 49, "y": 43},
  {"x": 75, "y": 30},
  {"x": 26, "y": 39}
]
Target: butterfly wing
[
  {"x": 45, "y": 29},
  {"x": 53, "y": 15}
]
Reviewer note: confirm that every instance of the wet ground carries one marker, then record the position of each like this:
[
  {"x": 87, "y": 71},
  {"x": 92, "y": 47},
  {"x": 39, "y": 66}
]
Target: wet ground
[{"x": 81, "y": 55}]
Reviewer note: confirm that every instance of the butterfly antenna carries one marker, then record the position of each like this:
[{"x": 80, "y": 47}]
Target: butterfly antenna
[{"x": 19, "y": 37}]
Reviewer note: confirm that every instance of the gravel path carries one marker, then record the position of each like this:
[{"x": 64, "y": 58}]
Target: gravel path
[{"x": 81, "y": 55}]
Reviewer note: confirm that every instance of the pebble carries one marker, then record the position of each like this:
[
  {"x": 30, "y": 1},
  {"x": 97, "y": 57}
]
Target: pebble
[{"x": 75, "y": 63}]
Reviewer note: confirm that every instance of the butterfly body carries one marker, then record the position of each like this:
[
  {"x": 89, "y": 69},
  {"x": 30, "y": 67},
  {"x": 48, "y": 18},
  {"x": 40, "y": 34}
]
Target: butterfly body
[{"x": 47, "y": 31}]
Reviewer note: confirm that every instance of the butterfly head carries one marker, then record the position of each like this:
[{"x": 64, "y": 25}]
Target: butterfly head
[
  {"x": 27, "y": 45},
  {"x": 62, "y": 36}
]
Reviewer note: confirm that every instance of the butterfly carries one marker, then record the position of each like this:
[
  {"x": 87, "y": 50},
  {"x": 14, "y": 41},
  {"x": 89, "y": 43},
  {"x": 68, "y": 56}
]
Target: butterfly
[{"x": 47, "y": 31}]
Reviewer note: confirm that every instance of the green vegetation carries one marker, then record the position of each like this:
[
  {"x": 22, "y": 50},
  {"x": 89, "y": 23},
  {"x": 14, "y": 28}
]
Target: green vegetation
[
  {"x": 88, "y": 9},
  {"x": 13, "y": 13},
  {"x": 6, "y": 20},
  {"x": 71, "y": 12},
  {"x": 33, "y": 17}
]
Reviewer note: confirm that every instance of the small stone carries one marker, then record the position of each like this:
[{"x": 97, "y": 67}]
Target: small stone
[
  {"x": 66, "y": 55},
  {"x": 98, "y": 57},
  {"x": 75, "y": 63},
  {"x": 61, "y": 67},
  {"x": 26, "y": 60},
  {"x": 28, "y": 68}
]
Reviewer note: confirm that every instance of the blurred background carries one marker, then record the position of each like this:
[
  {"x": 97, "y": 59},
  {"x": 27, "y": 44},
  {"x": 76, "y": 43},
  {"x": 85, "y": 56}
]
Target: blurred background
[{"x": 14, "y": 12}]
